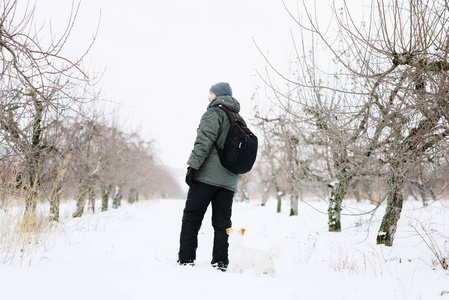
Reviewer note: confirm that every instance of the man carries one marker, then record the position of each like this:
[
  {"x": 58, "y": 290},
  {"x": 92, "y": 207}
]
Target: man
[{"x": 209, "y": 181}]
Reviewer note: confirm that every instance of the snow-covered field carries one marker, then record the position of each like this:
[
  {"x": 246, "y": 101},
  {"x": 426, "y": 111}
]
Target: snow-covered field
[{"x": 131, "y": 253}]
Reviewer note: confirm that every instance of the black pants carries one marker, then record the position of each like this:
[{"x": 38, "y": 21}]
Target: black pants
[{"x": 198, "y": 199}]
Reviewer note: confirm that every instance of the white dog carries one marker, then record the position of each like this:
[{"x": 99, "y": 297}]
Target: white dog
[{"x": 242, "y": 257}]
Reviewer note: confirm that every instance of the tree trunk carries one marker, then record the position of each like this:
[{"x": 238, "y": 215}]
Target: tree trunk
[
  {"x": 266, "y": 193},
  {"x": 423, "y": 194},
  {"x": 279, "y": 195},
  {"x": 55, "y": 200},
  {"x": 58, "y": 183},
  {"x": 80, "y": 201},
  {"x": 132, "y": 196},
  {"x": 294, "y": 204},
  {"x": 30, "y": 201},
  {"x": 105, "y": 191},
  {"x": 91, "y": 196},
  {"x": 338, "y": 192},
  {"x": 33, "y": 157},
  {"x": 356, "y": 191},
  {"x": 117, "y": 201},
  {"x": 424, "y": 190},
  {"x": 392, "y": 213},
  {"x": 242, "y": 190}
]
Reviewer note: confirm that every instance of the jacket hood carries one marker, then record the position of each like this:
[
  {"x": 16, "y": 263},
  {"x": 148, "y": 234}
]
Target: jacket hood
[{"x": 228, "y": 101}]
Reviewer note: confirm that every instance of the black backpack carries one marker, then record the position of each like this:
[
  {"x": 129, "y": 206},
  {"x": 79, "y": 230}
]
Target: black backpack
[{"x": 240, "y": 148}]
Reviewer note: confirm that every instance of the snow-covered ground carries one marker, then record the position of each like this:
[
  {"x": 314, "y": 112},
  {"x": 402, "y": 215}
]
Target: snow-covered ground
[{"x": 131, "y": 253}]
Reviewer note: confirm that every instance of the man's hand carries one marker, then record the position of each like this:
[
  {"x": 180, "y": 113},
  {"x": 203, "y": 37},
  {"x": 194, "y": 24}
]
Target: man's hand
[{"x": 190, "y": 175}]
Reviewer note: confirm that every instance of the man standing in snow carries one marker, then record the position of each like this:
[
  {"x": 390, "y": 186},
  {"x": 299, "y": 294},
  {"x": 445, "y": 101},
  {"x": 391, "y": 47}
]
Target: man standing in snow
[{"x": 209, "y": 181}]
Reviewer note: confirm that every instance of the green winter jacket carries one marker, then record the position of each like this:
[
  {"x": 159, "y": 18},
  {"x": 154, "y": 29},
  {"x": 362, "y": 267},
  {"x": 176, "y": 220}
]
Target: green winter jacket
[{"x": 214, "y": 127}]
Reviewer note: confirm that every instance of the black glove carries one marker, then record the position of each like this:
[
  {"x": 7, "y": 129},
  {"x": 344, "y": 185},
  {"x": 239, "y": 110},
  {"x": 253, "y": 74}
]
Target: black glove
[{"x": 189, "y": 176}]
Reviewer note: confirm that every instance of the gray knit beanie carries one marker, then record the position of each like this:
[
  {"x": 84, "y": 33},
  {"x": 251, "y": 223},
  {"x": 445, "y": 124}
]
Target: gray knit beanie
[{"x": 221, "y": 89}]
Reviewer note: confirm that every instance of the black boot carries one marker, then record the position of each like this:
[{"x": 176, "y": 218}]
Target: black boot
[
  {"x": 220, "y": 266},
  {"x": 186, "y": 263}
]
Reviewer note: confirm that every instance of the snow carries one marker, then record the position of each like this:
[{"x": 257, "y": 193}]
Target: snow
[
  {"x": 334, "y": 183},
  {"x": 131, "y": 253}
]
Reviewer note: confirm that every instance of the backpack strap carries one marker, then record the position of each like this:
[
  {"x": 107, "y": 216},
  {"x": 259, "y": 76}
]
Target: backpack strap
[
  {"x": 230, "y": 116},
  {"x": 233, "y": 122}
]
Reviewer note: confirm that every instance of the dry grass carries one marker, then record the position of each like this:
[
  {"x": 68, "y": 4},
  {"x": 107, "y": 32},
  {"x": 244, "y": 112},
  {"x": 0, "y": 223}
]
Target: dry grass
[
  {"x": 21, "y": 233},
  {"x": 345, "y": 262},
  {"x": 436, "y": 243},
  {"x": 307, "y": 248}
]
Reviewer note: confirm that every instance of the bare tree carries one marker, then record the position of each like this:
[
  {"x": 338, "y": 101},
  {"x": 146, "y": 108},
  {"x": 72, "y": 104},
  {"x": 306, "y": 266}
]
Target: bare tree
[
  {"x": 114, "y": 162},
  {"x": 383, "y": 108},
  {"x": 37, "y": 87},
  {"x": 278, "y": 164},
  {"x": 402, "y": 58},
  {"x": 269, "y": 163},
  {"x": 52, "y": 146},
  {"x": 86, "y": 164}
]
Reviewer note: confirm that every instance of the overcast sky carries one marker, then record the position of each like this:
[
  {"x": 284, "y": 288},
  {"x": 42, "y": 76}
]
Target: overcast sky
[{"x": 161, "y": 57}]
